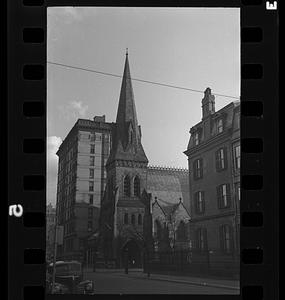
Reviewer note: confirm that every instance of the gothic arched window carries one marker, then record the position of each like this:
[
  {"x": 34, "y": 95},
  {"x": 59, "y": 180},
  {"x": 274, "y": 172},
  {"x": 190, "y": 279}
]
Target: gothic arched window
[
  {"x": 157, "y": 230},
  {"x": 127, "y": 186},
  {"x": 139, "y": 219},
  {"x": 126, "y": 218},
  {"x": 137, "y": 189}
]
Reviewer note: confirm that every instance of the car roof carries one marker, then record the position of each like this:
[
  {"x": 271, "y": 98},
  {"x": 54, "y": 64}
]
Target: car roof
[{"x": 65, "y": 263}]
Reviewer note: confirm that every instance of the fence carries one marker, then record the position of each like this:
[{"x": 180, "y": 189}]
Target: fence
[{"x": 193, "y": 262}]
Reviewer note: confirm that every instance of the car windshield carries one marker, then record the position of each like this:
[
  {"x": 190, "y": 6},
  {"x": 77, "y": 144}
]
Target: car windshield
[
  {"x": 66, "y": 267},
  {"x": 62, "y": 268}
]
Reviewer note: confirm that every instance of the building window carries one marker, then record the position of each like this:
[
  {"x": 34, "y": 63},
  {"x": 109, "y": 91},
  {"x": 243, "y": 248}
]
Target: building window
[
  {"x": 238, "y": 192},
  {"x": 127, "y": 186},
  {"x": 157, "y": 230},
  {"x": 226, "y": 238},
  {"x": 220, "y": 125},
  {"x": 92, "y": 149},
  {"x": 139, "y": 219},
  {"x": 91, "y": 186},
  {"x": 133, "y": 219},
  {"x": 90, "y": 213},
  {"x": 237, "y": 195},
  {"x": 92, "y": 137},
  {"x": 126, "y": 218},
  {"x": 91, "y": 173},
  {"x": 198, "y": 168},
  {"x": 221, "y": 159},
  {"x": 181, "y": 231},
  {"x": 223, "y": 195},
  {"x": 91, "y": 197},
  {"x": 237, "y": 156},
  {"x": 196, "y": 138},
  {"x": 137, "y": 186},
  {"x": 202, "y": 239},
  {"x": 199, "y": 202},
  {"x": 89, "y": 226},
  {"x": 92, "y": 160}
]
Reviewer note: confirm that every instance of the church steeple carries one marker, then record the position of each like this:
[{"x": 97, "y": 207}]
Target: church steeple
[{"x": 127, "y": 139}]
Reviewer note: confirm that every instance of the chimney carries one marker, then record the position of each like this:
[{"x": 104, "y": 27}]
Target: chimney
[
  {"x": 208, "y": 103},
  {"x": 100, "y": 119}
]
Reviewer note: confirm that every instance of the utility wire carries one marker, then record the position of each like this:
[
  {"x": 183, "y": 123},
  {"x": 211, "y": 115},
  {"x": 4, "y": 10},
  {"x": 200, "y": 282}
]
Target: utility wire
[{"x": 136, "y": 79}]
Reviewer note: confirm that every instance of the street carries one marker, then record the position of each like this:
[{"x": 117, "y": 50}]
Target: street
[{"x": 137, "y": 283}]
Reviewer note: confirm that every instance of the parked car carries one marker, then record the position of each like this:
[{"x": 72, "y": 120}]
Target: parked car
[{"x": 68, "y": 279}]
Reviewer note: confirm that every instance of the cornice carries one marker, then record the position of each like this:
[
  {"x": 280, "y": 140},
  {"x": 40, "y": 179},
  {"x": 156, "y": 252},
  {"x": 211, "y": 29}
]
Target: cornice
[
  {"x": 222, "y": 137},
  {"x": 126, "y": 163}
]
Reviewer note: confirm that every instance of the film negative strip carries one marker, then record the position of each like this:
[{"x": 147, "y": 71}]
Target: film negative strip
[{"x": 27, "y": 113}]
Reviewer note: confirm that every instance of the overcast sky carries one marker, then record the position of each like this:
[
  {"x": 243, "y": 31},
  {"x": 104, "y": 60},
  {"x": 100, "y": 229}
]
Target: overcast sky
[{"x": 192, "y": 48}]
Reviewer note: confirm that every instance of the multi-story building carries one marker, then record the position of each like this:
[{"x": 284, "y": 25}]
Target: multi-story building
[
  {"x": 99, "y": 161},
  {"x": 81, "y": 182},
  {"x": 50, "y": 230},
  {"x": 214, "y": 179}
]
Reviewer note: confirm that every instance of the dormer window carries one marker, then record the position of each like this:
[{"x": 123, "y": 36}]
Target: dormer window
[
  {"x": 196, "y": 138},
  {"x": 220, "y": 125}
]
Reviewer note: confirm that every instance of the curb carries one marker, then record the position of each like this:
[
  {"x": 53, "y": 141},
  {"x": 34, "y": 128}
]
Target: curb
[
  {"x": 190, "y": 282},
  {"x": 174, "y": 280}
]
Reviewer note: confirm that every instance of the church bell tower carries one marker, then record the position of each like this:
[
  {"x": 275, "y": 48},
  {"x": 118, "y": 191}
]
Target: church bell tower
[{"x": 126, "y": 171}]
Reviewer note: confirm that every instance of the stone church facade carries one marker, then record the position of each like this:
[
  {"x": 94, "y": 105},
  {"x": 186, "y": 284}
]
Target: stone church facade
[{"x": 126, "y": 219}]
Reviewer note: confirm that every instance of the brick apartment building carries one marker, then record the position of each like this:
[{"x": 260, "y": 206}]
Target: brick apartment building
[
  {"x": 214, "y": 180},
  {"x": 81, "y": 182}
]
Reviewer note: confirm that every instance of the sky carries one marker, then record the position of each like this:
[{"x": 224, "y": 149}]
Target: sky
[{"x": 194, "y": 48}]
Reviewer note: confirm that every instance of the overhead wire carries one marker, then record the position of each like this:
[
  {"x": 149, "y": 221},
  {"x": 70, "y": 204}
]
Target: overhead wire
[{"x": 140, "y": 80}]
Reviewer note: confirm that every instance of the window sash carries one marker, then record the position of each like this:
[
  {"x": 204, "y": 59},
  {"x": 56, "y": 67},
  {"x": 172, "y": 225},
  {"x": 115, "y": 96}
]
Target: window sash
[
  {"x": 198, "y": 170},
  {"x": 92, "y": 149},
  {"x": 237, "y": 156},
  {"x": 136, "y": 186},
  {"x": 200, "y": 205},
  {"x": 220, "y": 126},
  {"x": 127, "y": 186},
  {"x": 196, "y": 138},
  {"x": 202, "y": 238}
]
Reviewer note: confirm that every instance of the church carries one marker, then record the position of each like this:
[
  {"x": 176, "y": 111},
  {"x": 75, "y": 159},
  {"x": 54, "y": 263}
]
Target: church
[{"x": 138, "y": 212}]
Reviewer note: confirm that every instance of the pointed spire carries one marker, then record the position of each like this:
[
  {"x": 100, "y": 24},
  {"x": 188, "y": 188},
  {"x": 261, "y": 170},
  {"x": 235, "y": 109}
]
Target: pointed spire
[
  {"x": 128, "y": 133},
  {"x": 127, "y": 115}
]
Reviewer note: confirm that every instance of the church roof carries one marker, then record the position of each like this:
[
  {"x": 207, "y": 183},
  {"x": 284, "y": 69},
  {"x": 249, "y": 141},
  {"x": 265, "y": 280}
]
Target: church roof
[
  {"x": 168, "y": 185},
  {"x": 168, "y": 208}
]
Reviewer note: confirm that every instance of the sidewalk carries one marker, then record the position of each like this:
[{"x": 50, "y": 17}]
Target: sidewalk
[{"x": 138, "y": 273}]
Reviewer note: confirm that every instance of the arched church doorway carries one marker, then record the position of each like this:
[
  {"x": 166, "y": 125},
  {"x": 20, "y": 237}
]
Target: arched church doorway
[{"x": 132, "y": 250}]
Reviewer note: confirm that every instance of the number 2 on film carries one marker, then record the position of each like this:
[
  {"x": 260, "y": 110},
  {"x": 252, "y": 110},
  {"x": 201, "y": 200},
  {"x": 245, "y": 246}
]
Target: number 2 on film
[{"x": 16, "y": 210}]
